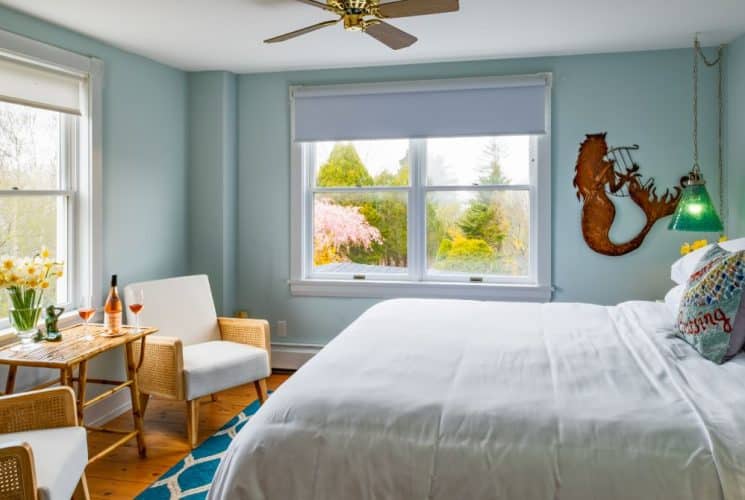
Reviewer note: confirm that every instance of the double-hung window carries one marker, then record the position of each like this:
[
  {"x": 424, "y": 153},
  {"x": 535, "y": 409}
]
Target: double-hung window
[
  {"x": 424, "y": 189},
  {"x": 47, "y": 165}
]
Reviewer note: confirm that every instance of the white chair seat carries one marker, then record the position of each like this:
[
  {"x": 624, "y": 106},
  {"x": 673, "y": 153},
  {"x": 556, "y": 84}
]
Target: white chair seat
[
  {"x": 60, "y": 457},
  {"x": 211, "y": 367}
]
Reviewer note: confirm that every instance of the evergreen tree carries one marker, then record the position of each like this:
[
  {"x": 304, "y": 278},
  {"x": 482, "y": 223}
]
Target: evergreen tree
[
  {"x": 484, "y": 221},
  {"x": 491, "y": 172},
  {"x": 344, "y": 168}
]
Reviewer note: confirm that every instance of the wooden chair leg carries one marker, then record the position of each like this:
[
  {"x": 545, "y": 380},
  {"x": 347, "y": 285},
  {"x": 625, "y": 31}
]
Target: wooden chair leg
[
  {"x": 144, "y": 400},
  {"x": 261, "y": 390},
  {"x": 192, "y": 422},
  {"x": 81, "y": 490}
]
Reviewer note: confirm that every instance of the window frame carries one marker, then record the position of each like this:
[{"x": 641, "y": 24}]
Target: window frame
[
  {"x": 82, "y": 156},
  {"x": 418, "y": 282}
]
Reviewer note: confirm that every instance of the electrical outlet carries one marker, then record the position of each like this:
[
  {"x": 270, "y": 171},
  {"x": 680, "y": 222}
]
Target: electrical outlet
[{"x": 282, "y": 328}]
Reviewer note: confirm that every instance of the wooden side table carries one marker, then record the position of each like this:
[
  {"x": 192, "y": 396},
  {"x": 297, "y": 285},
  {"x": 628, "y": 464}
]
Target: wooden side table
[{"x": 75, "y": 350}]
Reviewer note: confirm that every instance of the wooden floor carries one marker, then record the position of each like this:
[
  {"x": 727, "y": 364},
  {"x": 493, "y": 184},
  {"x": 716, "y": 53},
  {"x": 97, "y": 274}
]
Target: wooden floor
[{"x": 123, "y": 474}]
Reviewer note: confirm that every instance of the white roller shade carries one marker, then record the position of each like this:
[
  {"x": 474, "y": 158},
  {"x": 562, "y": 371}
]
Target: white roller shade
[
  {"x": 41, "y": 87},
  {"x": 441, "y": 108}
]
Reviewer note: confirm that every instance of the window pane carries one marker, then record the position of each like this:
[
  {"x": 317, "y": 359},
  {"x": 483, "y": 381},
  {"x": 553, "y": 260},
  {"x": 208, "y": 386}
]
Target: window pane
[
  {"x": 28, "y": 223},
  {"x": 362, "y": 163},
  {"x": 478, "y": 233},
  {"x": 360, "y": 233},
  {"x": 468, "y": 161},
  {"x": 30, "y": 147}
]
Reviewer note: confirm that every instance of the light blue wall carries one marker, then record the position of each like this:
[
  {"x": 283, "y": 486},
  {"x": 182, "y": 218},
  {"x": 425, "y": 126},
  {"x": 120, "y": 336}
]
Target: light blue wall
[
  {"x": 213, "y": 172},
  {"x": 641, "y": 98},
  {"x": 144, "y": 154},
  {"x": 735, "y": 92},
  {"x": 144, "y": 163}
]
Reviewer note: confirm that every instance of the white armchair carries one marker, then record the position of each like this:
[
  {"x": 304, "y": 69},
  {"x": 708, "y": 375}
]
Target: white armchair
[
  {"x": 43, "y": 452},
  {"x": 195, "y": 353}
]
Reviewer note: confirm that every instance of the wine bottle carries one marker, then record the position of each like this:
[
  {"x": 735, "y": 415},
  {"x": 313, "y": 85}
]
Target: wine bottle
[{"x": 113, "y": 309}]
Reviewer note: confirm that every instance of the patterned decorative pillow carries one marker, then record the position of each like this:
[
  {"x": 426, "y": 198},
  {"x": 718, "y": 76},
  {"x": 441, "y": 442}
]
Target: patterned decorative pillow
[{"x": 712, "y": 313}]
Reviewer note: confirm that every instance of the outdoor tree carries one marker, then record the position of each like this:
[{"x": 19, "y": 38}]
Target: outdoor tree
[
  {"x": 487, "y": 235},
  {"x": 338, "y": 228},
  {"x": 485, "y": 221},
  {"x": 343, "y": 168},
  {"x": 383, "y": 211},
  {"x": 29, "y": 159}
]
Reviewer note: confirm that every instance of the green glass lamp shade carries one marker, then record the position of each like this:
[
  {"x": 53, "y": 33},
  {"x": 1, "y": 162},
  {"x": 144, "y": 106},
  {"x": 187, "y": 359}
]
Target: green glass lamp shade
[{"x": 696, "y": 212}]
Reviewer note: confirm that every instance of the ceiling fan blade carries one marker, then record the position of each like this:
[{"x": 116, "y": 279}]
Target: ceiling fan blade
[
  {"x": 320, "y": 5},
  {"x": 390, "y": 35},
  {"x": 407, "y": 8},
  {"x": 303, "y": 31}
]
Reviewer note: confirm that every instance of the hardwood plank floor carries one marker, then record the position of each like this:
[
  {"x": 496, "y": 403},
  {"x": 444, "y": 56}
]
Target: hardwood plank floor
[{"x": 123, "y": 474}]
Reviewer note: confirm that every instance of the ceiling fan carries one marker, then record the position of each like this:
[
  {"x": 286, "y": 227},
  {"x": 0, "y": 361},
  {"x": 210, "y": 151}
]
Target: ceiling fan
[{"x": 367, "y": 16}]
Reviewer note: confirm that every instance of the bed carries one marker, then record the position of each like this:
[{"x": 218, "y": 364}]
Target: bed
[{"x": 445, "y": 399}]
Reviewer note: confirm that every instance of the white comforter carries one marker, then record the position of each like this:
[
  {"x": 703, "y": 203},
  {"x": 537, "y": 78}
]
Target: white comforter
[{"x": 424, "y": 399}]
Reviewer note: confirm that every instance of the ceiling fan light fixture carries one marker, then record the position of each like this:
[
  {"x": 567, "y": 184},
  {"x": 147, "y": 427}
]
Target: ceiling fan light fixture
[{"x": 368, "y": 17}]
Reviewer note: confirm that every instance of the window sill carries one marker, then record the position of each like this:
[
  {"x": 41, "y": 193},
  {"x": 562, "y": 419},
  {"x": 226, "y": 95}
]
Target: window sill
[{"x": 440, "y": 290}]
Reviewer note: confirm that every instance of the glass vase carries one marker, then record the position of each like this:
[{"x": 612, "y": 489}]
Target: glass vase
[{"x": 24, "y": 312}]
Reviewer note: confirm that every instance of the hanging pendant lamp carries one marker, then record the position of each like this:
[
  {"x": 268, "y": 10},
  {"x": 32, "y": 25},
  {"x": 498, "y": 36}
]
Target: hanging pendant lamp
[{"x": 695, "y": 210}]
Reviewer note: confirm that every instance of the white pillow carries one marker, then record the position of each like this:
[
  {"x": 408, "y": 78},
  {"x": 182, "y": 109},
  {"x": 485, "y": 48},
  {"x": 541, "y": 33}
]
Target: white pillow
[
  {"x": 673, "y": 299},
  {"x": 682, "y": 269}
]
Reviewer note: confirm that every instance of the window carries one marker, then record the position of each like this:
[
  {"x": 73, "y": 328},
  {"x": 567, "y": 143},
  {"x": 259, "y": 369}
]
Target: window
[
  {"x": 37, "y": 151},
  {"x": 457, "y": 216},
  {"x": 49, "y": 131}
]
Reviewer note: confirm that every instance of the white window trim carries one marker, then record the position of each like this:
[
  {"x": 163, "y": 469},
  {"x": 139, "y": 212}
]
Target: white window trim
[
  {"x": 537, "y": 288},
  {"x": 86, "y": 249}
]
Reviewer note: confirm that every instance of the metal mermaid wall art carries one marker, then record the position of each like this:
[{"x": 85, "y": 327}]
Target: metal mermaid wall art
[{"x": 598, "y": 176}]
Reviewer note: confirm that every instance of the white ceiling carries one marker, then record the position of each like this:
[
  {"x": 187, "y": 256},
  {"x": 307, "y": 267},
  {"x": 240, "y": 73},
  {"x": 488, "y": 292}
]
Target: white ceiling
[{"x": 228, "y": 34}]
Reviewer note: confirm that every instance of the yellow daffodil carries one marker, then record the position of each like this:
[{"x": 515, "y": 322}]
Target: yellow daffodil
[
  {"x": 723, "y": 238},
  {"x": 685, "y": 249},
  {"x": 700, "y": 244},
  {"x": 37, "y": 272}
]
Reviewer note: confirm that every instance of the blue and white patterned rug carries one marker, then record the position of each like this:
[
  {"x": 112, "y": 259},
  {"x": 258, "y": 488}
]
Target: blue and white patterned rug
[{"x": 191, "y": 477}]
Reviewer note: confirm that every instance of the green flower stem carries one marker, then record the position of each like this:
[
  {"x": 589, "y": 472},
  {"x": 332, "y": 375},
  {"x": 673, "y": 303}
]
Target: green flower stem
[{"x": 26, "y": 308}]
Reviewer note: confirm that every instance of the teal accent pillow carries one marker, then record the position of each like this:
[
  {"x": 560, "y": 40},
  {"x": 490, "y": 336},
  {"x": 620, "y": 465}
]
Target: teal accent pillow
[{"x": 711, "y": 316}]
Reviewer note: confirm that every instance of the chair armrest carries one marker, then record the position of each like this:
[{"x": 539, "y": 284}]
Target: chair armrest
[
  {"x": 254, "y": 332},
  {"x": 162, "y": 370},
  {"x": 44, "y": 409},
  {"x": 17, "y": 474}
]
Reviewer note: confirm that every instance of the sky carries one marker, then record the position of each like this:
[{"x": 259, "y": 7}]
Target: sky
[{"x": 458, "y": 160}]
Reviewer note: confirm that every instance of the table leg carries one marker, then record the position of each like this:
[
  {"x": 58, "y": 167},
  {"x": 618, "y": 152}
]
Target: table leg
[
  {"x": 82, "y": 383},
  {"x": 65, "y": 377},
  {"x": 10, "y": 382},
  {"x": 134, "y": 390}
]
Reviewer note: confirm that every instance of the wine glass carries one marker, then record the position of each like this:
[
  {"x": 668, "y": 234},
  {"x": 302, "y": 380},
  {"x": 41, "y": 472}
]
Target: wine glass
[
  {"x": 138, "y": 302},
  {"x": 86, "y": 310}
]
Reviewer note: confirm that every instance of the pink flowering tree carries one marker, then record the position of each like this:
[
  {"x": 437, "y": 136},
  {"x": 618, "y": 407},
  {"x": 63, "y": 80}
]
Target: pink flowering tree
[{"x": 336, "y": 228}]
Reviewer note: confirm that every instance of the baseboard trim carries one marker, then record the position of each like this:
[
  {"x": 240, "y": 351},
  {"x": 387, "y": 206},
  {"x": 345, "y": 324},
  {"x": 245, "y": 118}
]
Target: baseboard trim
[
  {"x": 108, "y": 409},
  {"x": 292, "y": 356}
]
